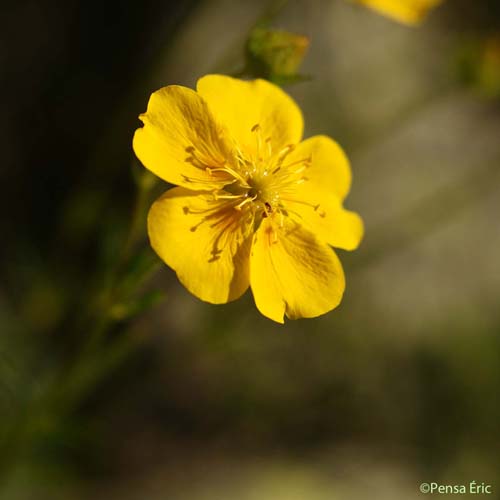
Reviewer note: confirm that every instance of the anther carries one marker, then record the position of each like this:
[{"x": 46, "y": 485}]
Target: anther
[{"x": 240, "y": 205}]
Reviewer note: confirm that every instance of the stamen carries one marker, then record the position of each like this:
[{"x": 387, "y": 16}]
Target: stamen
[
  {"x": 280, "y": 157},
  {"x": 195, "y": 159},
  {"x": 229, "y": 226},
  {"x": 200, "y": 180},
  {"x": 233, "y": 173},
  {"x": 194, "y": 228},
  {"x": 240, "y": 205},
  {"x": 316, "y": 208},
  {"x": 274, "y": 235},
  {"x": 282, "y": 219},
  {"x": 286, "y": 150},
  {"x": 306, "y": 162},
  {"x": 258, "y": 135},
  {"x": 269, "y": 147},
  {"x": 218, "y": 196}
]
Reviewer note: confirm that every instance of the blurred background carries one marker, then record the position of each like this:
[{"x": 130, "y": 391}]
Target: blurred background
[{"x": 169, "y": 397}]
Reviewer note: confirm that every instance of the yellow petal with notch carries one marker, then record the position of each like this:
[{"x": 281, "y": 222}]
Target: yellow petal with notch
[
  {"x": 240, "y": 105},
  {"x": 181, "y": 142}
]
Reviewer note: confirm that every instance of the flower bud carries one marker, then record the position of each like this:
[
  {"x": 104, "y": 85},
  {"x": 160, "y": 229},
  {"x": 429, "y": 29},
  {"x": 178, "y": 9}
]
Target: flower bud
[{"x": 275, "y": 54}]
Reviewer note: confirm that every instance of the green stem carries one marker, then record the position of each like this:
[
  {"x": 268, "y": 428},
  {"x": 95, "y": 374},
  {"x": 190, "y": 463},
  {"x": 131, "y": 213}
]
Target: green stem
[
  {"x": 44, "y": 412},
  {"x": 145, "y": 186}
]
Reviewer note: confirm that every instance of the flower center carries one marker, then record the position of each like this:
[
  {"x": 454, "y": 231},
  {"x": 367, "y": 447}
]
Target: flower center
[
  {"x": 258, "y": 182},
  {"x": 261, "y": 190},
  {"x": 263, "y": 175}
]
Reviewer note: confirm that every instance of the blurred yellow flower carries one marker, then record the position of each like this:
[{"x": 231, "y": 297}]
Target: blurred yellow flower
[
  {"x": 254, "y": 205},
  {"x": 410, "y": 12}
]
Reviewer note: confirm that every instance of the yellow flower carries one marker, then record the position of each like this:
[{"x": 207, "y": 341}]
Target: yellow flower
[
  {"x": 254, "y": 205},
  {"x": 410, "y": 12}
]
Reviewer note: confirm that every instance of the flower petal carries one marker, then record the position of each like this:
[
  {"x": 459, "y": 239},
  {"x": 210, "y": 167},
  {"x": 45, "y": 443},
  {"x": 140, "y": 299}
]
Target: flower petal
[
  {"x": 329, "y": 171},
  {"x": 409, "y": 12},
  {"x": 317, "y": 202},
  {"x": 204, "y": 241},
  {"x": 329, "y": 221},
  {"x": 292, "y": 273},
  {"x": 180, "y": 139},
  {"x": 240, "y": 105}
]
